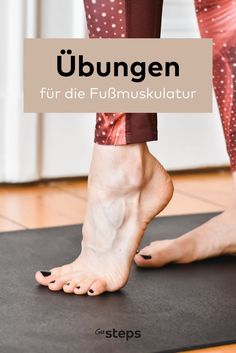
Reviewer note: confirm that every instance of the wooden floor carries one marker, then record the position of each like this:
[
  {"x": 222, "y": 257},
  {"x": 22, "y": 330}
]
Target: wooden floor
[
  {"x": 55, "y": 203},
  {"x": 49, "y": 204}
]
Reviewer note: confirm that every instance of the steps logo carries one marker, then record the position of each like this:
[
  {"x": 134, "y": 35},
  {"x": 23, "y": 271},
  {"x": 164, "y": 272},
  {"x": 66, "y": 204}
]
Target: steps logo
[{"x": 122, "y": 334}]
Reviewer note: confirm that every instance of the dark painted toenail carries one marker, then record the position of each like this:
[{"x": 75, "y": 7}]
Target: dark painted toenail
[
  {"x": 53, "y": 281},
  {"x": 46, "y": 273},
  {"x": 146, "y": 257},
  {"x": 91, "y": 291},
  {"x": 67, "y": 284},
  {"x": 78, "y": 287}
]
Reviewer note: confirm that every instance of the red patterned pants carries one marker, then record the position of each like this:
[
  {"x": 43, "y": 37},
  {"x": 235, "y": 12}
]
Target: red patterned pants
[{"x": 142, "y": 19}]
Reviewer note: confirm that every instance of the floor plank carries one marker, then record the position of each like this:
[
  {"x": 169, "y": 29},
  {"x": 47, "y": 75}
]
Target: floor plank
[
  {"x": 185, "y": 204},
  {"x": 215, "y": 188},
  {"x": 77, "y": 187},
  {"x": 41, "y": 206},
  {"x": 7, "y": 225}
]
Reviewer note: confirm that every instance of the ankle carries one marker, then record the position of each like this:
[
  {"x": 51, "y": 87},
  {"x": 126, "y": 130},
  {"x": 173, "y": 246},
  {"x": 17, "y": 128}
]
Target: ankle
[{"x": 117, "y": 167}]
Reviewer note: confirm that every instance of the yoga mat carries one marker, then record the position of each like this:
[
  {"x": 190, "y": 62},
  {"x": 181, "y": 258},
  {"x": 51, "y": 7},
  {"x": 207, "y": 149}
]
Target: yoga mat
[{"x": 173, "y": 308}]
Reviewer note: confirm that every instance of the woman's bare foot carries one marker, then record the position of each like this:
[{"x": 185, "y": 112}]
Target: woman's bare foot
[
  {"x": 213, "y": 238},
  {"x": 127, "y": 188}
]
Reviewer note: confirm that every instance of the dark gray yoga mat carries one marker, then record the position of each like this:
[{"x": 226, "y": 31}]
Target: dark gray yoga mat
[{"x": 177, "y": 307}]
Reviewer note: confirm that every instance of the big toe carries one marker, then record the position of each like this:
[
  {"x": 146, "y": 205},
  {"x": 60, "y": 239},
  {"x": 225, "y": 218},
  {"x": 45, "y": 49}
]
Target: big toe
[
  {"x": 44, "y": 277},
  {"x": 158, "y": 254}
]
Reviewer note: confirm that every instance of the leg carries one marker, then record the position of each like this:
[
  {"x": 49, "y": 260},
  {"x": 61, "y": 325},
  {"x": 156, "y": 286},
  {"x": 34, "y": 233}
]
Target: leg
[
  {"x": 217, "y": 20},
  {"x": 121, "y": 19},
  {"x": 127, "y": 186}
]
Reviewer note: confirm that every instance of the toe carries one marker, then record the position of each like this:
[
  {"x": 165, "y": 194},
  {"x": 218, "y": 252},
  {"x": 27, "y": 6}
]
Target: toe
[
  {"x": 98, "y": 287},
  {"x": 144, "y": 260},
  {"x": 144, "y": 256},
  {"x": 83, "y": 286},
  {"x": 55, "y": 285},
  {"x": 158, "y": 254},
  {"x": 70, "y": 286},
  {"x": 44, "y": 277}
]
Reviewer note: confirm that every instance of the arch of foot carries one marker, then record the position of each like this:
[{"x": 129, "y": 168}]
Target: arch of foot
[
  {"x": 217, "y": 20},
  {"x": 107, "y": 19}
]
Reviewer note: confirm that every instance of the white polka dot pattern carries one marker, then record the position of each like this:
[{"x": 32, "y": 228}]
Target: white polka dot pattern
[
  {"x": 109, "y": 21},
  {"x": 217, "y": 20}
]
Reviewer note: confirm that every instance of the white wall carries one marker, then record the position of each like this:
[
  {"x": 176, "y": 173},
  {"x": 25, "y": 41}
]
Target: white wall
[
  {"x": 67, "y": 138},
  {"x": 18, "y": 131}
]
